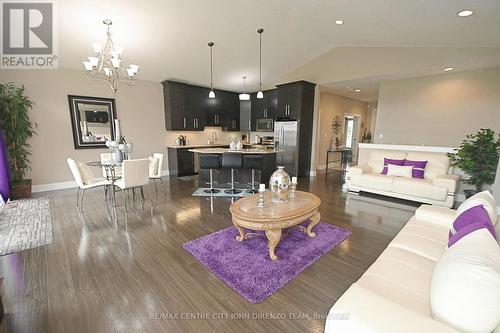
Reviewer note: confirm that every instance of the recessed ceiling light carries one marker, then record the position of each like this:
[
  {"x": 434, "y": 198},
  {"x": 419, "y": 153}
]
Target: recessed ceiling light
[
  {"x": 338, "y": 22},
  {"x": 465, "y": 13},
  {"x": 357, "y": 90},
  {"x": 447, "y": 69}
]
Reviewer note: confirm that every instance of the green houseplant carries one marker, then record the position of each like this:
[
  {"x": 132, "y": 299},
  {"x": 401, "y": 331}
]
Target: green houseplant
[
  {"x": 18, "y": 128},
  {"x": 478, "y": 158}
]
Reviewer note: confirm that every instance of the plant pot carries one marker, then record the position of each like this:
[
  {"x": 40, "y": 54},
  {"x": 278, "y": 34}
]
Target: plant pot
[
  {"x": 20, "y": 189},
  {"x": 469, "y": 193}
]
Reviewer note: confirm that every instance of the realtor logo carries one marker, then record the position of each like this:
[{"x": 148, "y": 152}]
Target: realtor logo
[{"x": 28, "y": 35}]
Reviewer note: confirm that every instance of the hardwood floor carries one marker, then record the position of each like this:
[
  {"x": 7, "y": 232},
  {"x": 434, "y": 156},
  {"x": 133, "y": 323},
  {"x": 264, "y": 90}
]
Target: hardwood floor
[{"x": 97, "y": 277}]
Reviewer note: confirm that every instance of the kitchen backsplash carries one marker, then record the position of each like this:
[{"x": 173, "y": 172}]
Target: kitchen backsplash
[{"x": 201, "y": 138}]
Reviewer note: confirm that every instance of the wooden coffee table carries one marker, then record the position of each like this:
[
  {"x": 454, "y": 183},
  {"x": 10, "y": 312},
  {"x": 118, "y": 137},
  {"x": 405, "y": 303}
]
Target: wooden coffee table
[{"x": 275, "y": 217}]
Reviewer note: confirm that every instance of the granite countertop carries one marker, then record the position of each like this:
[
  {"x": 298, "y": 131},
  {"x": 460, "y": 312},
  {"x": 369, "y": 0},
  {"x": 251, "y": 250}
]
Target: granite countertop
[
  {"x": 226, "y": 150},
  {"x": 214, "y": 145}
]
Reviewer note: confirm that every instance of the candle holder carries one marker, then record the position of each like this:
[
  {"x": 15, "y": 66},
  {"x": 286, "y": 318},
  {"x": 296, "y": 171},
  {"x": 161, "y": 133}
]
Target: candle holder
[
  {"x": 262, "y": 189},
  {"x": 293, "y": 187}
]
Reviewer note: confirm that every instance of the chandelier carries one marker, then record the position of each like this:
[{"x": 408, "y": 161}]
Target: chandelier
[{"x": 106, "y": 64}]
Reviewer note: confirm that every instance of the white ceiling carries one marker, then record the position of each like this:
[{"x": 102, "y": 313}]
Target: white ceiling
[{"x": 168, "y": 39}]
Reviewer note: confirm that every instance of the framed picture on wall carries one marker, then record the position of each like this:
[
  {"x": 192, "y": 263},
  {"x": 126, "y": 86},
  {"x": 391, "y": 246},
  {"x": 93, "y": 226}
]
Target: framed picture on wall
[{"x": 92, "y": 121}]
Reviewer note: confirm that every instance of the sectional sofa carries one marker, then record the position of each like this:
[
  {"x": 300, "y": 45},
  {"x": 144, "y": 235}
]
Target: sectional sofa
[
  {"x": 396, "y": 293},
  {"x": 438, "y": 186}
]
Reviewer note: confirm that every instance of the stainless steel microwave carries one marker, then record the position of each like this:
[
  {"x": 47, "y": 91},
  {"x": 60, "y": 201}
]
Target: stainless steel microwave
[{"x": 265, "y": 125}]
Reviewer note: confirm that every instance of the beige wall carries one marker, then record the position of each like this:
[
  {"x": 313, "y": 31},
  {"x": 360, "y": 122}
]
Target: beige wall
[
  {"x": 438, "y": 110},
  {"x": 140, "y": 109},
  {"x": 331, "y": 105}
]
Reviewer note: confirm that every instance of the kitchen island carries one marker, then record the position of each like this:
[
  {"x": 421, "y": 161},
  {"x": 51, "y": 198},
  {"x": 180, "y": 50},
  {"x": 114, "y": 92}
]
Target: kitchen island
[{"x": 243, "y": 176}]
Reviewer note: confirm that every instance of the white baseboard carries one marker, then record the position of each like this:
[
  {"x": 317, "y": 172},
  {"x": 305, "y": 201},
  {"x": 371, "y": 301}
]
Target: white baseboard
[
  {"x": 69, "y": 184},
  {"x": 53, "y": 186}
]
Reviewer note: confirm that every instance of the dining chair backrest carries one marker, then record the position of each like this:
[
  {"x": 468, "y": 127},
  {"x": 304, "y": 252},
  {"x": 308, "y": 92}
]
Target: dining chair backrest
[
  {"x": 135, "y": 173},
  {"x": 159, "y": 156},
  {"x": 75, "y": 171}
]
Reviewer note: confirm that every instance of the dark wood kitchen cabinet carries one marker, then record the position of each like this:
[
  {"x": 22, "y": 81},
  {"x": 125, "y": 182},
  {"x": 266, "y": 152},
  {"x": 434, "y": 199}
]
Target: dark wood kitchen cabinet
[
  {"x": 294, "y": 99},
  {"x": 188, "y": 108},
  {"x": 180, "y": 162},
  {"x": 264, "y": 108}
]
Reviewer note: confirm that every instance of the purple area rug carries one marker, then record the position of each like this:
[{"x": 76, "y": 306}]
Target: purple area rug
[{"x": 246, "y": 266}]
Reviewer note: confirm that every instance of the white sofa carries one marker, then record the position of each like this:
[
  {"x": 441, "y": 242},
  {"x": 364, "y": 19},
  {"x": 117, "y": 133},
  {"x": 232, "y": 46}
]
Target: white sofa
[
  {"x": 393, "y": 295},
  {"x": 437, "y": 188}
]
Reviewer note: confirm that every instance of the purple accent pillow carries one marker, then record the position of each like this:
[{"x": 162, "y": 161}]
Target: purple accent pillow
[
  {"x": 418, "y": 168},
  {"x": 472, "y": 215},
  {"x": 469, "y": 229},
  {"x": 390, "y": 161},
  {"x": 471, "y": 220}
]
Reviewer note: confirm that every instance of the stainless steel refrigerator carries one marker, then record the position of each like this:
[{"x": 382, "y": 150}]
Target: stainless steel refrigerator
[{"x": 286, "y": 141}]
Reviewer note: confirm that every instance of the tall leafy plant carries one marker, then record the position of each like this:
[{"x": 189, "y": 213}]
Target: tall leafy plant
[
  {"x": 17, "y": 127},
  {"x": 478, "y": 157}
]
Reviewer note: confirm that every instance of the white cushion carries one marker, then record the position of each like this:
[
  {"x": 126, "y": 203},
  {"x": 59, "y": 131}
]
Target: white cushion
[
  {"x": 437, "y": 163},
  {"x": 87, "y": 174},
  {"x": 483, "y": 198},
  {"x": 374, "y": 181},
  {"x": 465, "y": 287},
  {"x": 399, "y": 170},
  {"x": 153, "y": 166},
  {"x": 441, "y": 216},
  {"x": 376, "y": 159},
  {"x": 420, "y": 188}
]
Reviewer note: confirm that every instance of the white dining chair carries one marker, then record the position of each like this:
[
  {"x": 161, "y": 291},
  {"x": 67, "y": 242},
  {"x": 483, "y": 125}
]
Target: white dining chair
[
  {"x": 85, "y": 180},
  {"x": 135, "y": 174},
  {"x": 155, "y": 168}
]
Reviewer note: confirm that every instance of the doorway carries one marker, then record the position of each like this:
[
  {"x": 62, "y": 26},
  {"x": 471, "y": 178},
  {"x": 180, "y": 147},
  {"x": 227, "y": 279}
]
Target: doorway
[{"x": 351, "y": 130}]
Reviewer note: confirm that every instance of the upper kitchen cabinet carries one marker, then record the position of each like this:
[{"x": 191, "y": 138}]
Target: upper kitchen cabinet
[
  {"x": 271, "y": 103},
  {"x": 184, "y": 107},
  {"x": 231, "y": 107},
  {"x": 264, "y": 108},
  {"x": 294, "y": 99}
]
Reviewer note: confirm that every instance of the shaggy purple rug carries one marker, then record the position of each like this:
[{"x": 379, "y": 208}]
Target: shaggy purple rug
[{"x": 246, "y": 266}]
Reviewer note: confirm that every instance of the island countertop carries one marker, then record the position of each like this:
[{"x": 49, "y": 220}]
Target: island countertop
[{"x": 226, "y": 150}]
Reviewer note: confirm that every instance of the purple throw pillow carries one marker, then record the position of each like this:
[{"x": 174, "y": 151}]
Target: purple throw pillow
[
  {"x": 472, "y": 215},
  {"x": 388, "y": 161},
  {"x": 469, "y": 229},
  {"x": 471, "y": 220},
  {"x": 418, "y": 168}
]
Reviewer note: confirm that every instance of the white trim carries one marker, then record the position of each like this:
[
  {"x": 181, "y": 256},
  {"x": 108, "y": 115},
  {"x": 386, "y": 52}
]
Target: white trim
[
  {"x": 430, "y": 149},
  {"x": 53, "y": 186},
  {"x": 312, "y": 173},
  {"x": 65, "y": 185}
]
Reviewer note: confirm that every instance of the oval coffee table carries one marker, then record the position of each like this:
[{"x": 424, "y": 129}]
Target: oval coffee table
[{"x": 275, "y": 217}]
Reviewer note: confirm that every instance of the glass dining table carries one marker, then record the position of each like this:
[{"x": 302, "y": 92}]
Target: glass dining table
[{"x": 110, "y": 168}]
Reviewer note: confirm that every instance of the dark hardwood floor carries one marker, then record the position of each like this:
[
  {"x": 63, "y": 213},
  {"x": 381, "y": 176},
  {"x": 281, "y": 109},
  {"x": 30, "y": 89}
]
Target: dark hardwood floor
[{"x": 97, "y": 277}]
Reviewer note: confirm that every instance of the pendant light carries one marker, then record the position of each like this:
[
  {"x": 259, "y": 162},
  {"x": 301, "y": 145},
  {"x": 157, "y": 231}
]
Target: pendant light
[
  {"x": 211, "y": 94},
  {"x": 260, "y": 95},
  {"x": 244, "y": 96}
]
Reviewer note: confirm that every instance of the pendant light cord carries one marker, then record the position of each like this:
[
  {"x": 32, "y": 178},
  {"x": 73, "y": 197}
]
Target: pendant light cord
[
  {"x": 211, "y": 44},
  {"x": 260, "y": 31}
]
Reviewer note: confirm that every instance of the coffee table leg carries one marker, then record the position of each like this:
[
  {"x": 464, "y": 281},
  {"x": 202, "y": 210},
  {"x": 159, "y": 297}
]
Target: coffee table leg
[
  {"x": 314, "y": 220},
  {"x": 241, "y": 236},
  {"x": 273, "y": 238}
]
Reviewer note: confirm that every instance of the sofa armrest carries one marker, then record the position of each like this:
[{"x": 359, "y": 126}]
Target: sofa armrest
[
  {"x": 448, "y": 181},
  {"x": 360, "y": 310},
  {"x": 436, "y": 214},
  {"x": 360, "y": 169}
]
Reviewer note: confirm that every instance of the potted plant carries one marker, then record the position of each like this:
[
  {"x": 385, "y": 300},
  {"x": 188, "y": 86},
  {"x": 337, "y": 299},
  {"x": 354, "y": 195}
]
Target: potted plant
[
  {"x": 18, "y": 128},
  {"x": 478, "y": 158}
]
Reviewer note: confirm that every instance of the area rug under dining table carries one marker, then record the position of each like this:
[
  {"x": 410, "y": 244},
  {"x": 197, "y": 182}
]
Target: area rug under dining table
[{"x": 246, "y": 267}]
